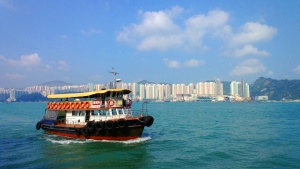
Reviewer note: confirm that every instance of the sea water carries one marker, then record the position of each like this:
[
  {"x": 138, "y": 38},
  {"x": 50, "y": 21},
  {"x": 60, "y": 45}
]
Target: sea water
[{"x": 183, "y": 135}]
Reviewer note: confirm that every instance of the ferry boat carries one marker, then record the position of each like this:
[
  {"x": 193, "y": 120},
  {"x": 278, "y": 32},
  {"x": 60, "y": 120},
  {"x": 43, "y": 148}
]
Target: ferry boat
[{"x": 99, "y": 115}]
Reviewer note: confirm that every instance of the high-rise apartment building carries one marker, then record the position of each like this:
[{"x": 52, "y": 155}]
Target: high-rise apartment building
[{"x": 241, "y": 89}]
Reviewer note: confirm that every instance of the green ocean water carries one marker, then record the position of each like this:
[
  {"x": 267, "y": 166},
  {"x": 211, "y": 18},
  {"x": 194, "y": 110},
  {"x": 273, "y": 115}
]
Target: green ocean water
[{"x": 184, "y": 135}]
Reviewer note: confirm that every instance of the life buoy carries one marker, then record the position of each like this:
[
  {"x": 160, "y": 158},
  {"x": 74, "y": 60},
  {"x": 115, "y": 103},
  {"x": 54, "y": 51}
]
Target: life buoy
[
  {"x": 109, "y": 125},
  {"x": 82, "y": 105},
  {"x": 111, "y": 103},
  {"x": 38, "y": 125},
  {"x": 121, "y": 123},
  {"x": 87, "y": 105},
  {"x": 62, "y": 105},
  {"x": 54, "y": 105},
  {"x": 48, "y": 105},
  {"x": 77, "y": 105},
  {"x": 58, "y": 106},
  {"x": 72, "y": 105},
  {"x": 67, "y": 105}
]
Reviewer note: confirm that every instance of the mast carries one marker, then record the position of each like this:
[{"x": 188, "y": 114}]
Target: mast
[{"x": 115, "y": 80}]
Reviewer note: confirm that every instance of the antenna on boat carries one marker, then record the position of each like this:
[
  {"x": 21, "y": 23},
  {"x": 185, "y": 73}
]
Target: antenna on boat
[{"x": 115, "y": 80}]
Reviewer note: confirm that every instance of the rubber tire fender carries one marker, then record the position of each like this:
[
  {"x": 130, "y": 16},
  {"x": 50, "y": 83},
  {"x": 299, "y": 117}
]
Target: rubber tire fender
[
  {"x": 38, "y": 125},
  {"x": 121, "y": 123},
  {"x": 109, "y": 125},
  {"x": 90, "y": 126},
  {"x": 148, "y": 121},
  {"x": 100, "y": 126},
  {"x": 85, "y": 131}
]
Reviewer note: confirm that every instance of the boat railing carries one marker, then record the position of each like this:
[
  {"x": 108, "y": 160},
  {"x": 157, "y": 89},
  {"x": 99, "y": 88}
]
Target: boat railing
[{"x": 141, "y": 112}]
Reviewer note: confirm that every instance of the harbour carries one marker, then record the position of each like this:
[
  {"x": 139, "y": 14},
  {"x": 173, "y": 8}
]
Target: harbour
[{"x": 186, "y": 135}]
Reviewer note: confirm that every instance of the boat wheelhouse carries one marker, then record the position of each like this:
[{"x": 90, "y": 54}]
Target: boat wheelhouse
[{"x": 99, "y": 115}]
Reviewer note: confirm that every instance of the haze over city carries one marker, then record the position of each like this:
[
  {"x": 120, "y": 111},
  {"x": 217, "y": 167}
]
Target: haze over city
[{"x": 171, "y": 41}]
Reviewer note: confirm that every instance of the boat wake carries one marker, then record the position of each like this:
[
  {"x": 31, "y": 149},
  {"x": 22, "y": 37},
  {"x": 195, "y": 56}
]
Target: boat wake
[
  {"x": 138, "y": 140},
  {"x": 62, "y": 140}
]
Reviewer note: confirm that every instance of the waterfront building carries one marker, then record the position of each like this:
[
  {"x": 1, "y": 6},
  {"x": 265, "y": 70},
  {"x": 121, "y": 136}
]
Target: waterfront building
[
  {"x": 234, "y": 88},
  {"x": 91, "y": 87},
  {"x": 240, "y": 90},
  {"x": 160, "y": 92},
  {"x": 4, "y": 95},
  {"x": 142, "y": 92},
  {"x": 261, "y": 98},
  {"x": 219, "y": 88}
]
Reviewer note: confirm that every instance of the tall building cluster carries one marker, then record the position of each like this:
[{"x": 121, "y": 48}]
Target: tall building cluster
[
  {"x": 174, "y": 91},
  {"x": 240, "y": 91},
  {"x": 159, "y": 92}
]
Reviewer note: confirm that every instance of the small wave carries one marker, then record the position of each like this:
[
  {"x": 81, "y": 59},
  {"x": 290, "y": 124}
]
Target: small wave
[
  {"x": 138, "y": 140},
  {"x": 62, "y": 140}
]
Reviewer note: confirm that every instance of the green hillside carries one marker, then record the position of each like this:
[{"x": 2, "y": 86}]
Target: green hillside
[{"x": 276, "y": 89}]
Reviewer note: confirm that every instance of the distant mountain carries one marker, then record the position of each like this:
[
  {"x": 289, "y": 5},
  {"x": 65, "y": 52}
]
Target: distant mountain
[
  {"x": 34, "y": 97},
  {"x": 145, "y": 82},
  {"x": 276, "y": 89},
  {"x": 56, "y": 83}
]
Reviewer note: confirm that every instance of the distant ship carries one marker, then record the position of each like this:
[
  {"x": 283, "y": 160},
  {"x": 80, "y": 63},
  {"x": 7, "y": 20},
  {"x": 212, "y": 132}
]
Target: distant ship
[{"x": 99, "y": 115}]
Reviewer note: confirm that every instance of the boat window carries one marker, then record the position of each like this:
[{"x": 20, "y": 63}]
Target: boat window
[
  {"x": 75, "y": 113},
  {"x": 114, "y": 94},
  {"x": 107, "y": 94},
  {"x": 95, "y": 113},
  {"x": 119, "y": 94},
  {"x": 120, "y": 111},
  {"x": 103, "y": 112},
  {"x": 114, "y": 111},
  {"x": 82, "y": 113}
]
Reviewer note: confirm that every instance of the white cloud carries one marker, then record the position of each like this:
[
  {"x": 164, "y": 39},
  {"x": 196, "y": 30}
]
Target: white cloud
[
  {"x": 253, "y": 32},
  {"x": 160, "y": 30},
  {"x": 172, "y": 63},
  {"x": 249, "y": 66},
  {"x": 62, "y": 65},
  {"x": 192, "y": 63},
  {"x": 156, "y": 31},
  {"x": 25, "y": 60},
  {"x": 28, "y": 62},
  {"x": 202, "y": 25},
  {"x": 188, "y": 64},
  {"x": 297, "y": 69},
  {"x": 249, "y": 50}
]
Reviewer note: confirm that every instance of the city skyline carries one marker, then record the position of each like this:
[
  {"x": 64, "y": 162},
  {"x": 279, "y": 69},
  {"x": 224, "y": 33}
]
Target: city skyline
[
  {"x": 170, "y": 41},
  {"x": 141, "y": 81},
  {"x": 151, "y": 91}
]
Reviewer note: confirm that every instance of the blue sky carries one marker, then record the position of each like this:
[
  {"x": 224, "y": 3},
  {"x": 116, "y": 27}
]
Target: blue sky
[{"x": 161, "y": 41}]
